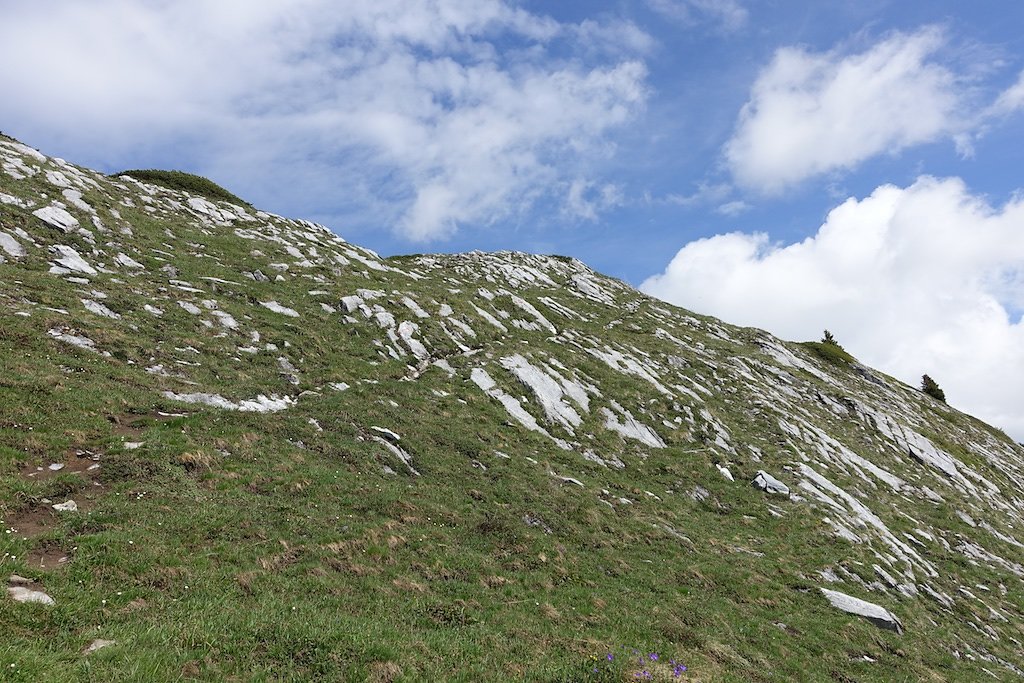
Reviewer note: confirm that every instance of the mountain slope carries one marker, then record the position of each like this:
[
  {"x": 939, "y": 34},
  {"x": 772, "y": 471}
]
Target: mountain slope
[{"x": 292, "y": 459}]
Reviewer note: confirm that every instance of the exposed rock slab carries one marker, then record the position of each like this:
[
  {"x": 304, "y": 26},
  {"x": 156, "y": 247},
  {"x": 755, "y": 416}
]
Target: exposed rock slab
[
  {"x": 260, "y": 404},
  {"x": 876, "y": 614},
  {"x": 56, "y": 217},
  {"x": 770, "y": 484}
]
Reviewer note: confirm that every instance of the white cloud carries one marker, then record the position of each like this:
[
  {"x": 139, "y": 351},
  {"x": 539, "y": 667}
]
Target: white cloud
[
  {"x": 922, "y": 279},
  {"x": 615, "y": 37},
  {"x": 811, "y": 113},
  {"x": 733, "y": 208},
  {"x": 1011, "y": 99},
  {"x": 705, "y": 193},
  {"x": 728, "y": 14},
  {"x": 455, "y": 111},
  {"x": 586, "y": 200}
]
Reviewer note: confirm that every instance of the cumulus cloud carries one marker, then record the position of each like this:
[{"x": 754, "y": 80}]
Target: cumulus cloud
[
  {"x": 810, "y": 113},
  {"x": 922, "y": 279},
  {"x": 455, "y": 111}
]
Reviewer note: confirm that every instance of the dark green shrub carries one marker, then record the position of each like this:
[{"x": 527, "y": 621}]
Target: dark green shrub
[{"x": 930, "y": 387}]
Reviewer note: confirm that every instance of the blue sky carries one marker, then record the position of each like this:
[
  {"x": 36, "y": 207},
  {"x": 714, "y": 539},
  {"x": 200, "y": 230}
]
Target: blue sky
[{"x": 792, "y": 166}]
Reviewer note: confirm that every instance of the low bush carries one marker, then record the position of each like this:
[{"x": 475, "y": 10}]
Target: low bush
[{"x": 184, "y": 182}]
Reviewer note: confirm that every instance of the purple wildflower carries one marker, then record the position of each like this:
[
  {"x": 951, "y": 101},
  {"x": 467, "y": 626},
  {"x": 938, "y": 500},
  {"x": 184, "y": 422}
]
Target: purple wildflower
[{"x": 653, "y": 656}]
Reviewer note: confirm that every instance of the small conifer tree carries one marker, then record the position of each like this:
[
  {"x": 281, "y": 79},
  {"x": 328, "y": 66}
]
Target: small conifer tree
[
  {"x": 931, "y": 387},
  {"x": 829, "y": 339}
]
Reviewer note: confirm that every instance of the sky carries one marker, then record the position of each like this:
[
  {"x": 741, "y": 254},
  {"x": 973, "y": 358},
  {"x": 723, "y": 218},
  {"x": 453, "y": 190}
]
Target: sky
[{"x": 791, "y": 166}]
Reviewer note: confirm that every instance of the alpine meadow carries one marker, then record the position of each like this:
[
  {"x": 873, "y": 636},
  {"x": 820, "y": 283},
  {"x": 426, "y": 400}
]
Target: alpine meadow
[{"x": 235, "y": 446}]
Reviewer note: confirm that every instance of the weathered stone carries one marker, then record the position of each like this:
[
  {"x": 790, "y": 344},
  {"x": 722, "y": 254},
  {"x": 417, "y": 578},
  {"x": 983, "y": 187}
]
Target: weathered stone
[
  {"x": 27, "y": 595},
  {"x": 11, "y": 245},
  {"x": 278, "y": 308},
  {"x": 699, "y": 493},
  {"x": 260, "y": 404},
  {"x": 98, "y": 644},
  {"x": 56, "y": 217},
  {"x": 770, "y": 484},
  {"x": 876, "y": 614},
  {"x": 127, "y": 261},
  {"x": 71, "y": 260},
  {"x": 387, "y": 434}
]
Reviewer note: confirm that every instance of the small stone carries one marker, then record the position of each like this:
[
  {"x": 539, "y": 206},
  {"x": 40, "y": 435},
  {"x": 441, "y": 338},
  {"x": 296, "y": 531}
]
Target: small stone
[
  {"x": 14, "y": 578},
  {"x": 27, "y": 595},
  {"x": 278, "y": 308},
  {"x": 56, "y": 466},
  {"x": 66, "y": 506},
  {"x": 98, "y": 644}
]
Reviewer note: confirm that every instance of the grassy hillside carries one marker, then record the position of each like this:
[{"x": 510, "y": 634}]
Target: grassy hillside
[{"x": 294, "y": 460}]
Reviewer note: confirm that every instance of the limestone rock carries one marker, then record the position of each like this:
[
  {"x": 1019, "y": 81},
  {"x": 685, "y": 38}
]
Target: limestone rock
[
  {"x": 98, "y": 644},
  {"x": 387, "y": 434},
  {"x": 278, "y": 308},
  {"x": 11, "y": 245},
  {"x": 71, "y": 260},
  {"x": 876, "y": 614},
  {"x": 27, "y": 595},
  {"x": 57, "y": 217},
  {"x": 770, "y": 484}
]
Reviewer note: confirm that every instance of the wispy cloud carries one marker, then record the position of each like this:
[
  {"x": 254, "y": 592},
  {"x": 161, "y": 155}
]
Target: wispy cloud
[
  {"x": 727, "y": 14},
  {"x": 456, "y": 112},
  {"x": 586, "y": 199},
  {"x": 706, "y": 193},
  {"x": 1010, "y": 100}
]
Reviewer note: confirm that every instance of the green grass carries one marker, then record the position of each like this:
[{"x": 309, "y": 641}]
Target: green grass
[
  {"x": 184, "y": 182},
  {"x": 831, "y": 353},
  {"x": 234, "y": 546}
]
